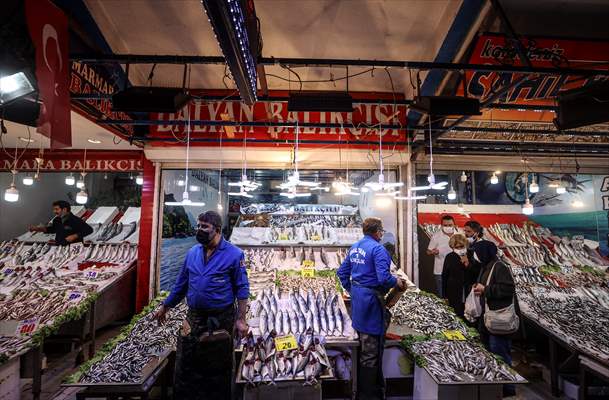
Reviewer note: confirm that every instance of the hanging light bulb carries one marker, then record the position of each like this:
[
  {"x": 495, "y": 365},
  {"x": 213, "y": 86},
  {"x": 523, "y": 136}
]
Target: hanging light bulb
[
  {"x": 527, "y": 207},
  {"x": 560, "y": 189},
  {"x": 80, "y": 184},
  {"x": 220, "y": 208},
  {"x": 463, "y": 177},
  {"x": 28, "y": 180},
  {"x": 185, "y": 198},
  {"x": 70, "y": 180},
  {"x": 181, "y": 182},
  {"x": 105, "y": 175},
  {"x": 494, "y": 179},
  {"x": 452, "y": 195},
  {"x": 11, "y": 194},
  {"x": 534, "y": 187},
  {"x": 82, "y": 197},
  {"x": 139, "y": 179}
]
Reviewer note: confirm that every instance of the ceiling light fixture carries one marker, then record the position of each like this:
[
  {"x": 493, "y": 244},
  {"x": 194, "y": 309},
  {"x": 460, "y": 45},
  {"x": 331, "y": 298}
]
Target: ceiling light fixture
[
  {"x": 381, "y": 185},
  {"x": 28, "y": 180},
  {"x": 14, "y": 86},
  {"x": 527, "y": 208},
  {"x": 70, "y": 180},
  {"x": 533, "y": 187},
  {"x": 494, "y": 179},
  {"x": 431, "y": 178},
  {"x": 294, "y": 180},
  {"x": 139, "y": 179},
  {"x": 94, "y": 141},
  {"x": 11, "y": 194},
  {"x": 463, "y": 177},
  {"x": 26, "y": 140},
  {"x": 452, "y": 195}
]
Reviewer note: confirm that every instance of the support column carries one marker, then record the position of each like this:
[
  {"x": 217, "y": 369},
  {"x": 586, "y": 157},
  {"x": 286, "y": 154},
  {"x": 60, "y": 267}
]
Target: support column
[{"x": 145, "y": 240}]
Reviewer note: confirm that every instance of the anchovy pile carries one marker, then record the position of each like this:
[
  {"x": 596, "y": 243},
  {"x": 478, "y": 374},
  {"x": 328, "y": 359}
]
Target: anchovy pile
[
  {"x": 296, "y": 283},
  {"x": 148, "y": 339},
  {"x": 262, "y": 362},
  {"x": 11, "y": 345},
  {"x": 299, "y": 312},
  {"x": 462, "y": 361},
  {"x": 425, "y": 314},
  {"x": 580, "y": 321},
  {"x": 28, "y": 304}
]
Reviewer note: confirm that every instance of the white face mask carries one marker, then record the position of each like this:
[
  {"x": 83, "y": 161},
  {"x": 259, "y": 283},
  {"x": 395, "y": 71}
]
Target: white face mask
[
  {"x": 461, "y": 252},
  {"x": 470, "y": 240},
  {"x": 449, "y": 230},
  {"x": 476, "y": 257}
]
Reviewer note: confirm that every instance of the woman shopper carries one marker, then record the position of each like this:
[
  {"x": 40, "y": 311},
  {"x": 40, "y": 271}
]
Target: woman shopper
[
  {"x": 453, "y": 273},
  {"x": 496, "y": 289}
]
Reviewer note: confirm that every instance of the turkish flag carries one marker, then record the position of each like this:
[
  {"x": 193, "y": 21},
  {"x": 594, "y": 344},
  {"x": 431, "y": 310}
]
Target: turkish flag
[{"x": 48, "y": 27}]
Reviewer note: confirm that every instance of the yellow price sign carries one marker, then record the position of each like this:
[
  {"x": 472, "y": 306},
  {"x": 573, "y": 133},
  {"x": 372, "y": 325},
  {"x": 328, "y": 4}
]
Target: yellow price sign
[
  {"x": 453, "y": 335},
  {"x": 316, "y": 238},
  {"x": 308, "y": 264},
  {"x": 307, "y": 272},
  {"x": 283, "y": 237},
  {"x": 287, "y": 342}
]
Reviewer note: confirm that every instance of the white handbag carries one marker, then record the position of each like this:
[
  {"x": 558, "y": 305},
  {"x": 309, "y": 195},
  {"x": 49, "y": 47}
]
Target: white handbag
[{"x": 503, "y": 321}]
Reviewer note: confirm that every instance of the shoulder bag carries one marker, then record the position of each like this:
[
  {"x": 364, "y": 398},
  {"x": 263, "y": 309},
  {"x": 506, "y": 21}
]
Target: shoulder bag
[{"x": 503, "y": 321}]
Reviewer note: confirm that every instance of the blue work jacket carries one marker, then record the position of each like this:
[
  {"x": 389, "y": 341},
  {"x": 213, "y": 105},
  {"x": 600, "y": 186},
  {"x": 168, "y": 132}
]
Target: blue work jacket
[
  {"x": 212, "y": 284},
  {"x": 365, "y": 275}
]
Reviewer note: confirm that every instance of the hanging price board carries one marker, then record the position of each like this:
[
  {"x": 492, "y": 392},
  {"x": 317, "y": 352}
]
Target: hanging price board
[
  {"x": 453, "y": 335},
  {"x": 27, "y": 326},
  {"x": 287, "y": 342}
]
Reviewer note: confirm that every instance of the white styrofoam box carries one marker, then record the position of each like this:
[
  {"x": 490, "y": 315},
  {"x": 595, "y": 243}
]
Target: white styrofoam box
[
  {"x": 132, "y": 214},
  {"x": 391, "y": 365},
  {"x": 10, "y": 384},
  {"x": 102, "y": 215}
]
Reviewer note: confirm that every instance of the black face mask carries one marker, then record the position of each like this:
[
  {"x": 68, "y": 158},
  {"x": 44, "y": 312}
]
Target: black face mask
[{"x": 205, "y": 237}]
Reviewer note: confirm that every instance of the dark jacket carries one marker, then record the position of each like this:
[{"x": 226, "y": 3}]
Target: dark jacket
[
  {"x": 453, "y": 282},
  {"x": 500, "y": 291},
  {"x": 68, "y": 225}
]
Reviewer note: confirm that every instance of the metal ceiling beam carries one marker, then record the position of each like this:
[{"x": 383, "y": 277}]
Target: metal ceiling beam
[
  {"x": 203, "y": 122},
  {"x": 455, "y": 147},
  {"x": 328, "y": 62},
  {"x": 518, "y": 130}
]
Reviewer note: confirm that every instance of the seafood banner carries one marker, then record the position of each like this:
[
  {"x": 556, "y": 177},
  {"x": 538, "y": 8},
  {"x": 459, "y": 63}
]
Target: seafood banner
[
  {"x": 359, "y": 126},
  {"x": 73, "y": 160},
  {"x": 540, "y": 90}
]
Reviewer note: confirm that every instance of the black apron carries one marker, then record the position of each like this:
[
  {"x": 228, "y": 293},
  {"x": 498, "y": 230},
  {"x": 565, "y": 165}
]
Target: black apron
[{"x": 204, "y": 369}]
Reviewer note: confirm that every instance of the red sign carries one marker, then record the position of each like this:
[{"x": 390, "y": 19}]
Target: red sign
[
  {"x": 72, "y": 160},
  {"x": 48, "y": 28},
  {"x": 359, "y": 126},
  {"x": 541, "y": 89},
  {"x": 91, "y": 79}
]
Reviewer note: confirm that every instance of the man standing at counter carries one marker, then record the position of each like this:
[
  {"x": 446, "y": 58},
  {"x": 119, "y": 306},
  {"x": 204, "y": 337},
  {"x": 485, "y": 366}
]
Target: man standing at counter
[
  {"x": 365, "y": 275},
  {"x": 439, "y": 249},
  {"x": 213, "y": 279},
  {"x": 67, "y": 227}
]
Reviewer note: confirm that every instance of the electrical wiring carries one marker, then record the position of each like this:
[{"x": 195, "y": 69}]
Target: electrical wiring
[{"x": 321, "y": 80}]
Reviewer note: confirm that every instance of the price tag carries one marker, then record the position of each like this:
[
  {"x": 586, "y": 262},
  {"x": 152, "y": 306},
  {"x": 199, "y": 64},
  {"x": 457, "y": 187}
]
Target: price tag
[
  {"x": 307, "y": 272},
  {"x": 287, "y": 342},
  {"x": 316, "y": 238},
  {"x": 91, "y": 274},
  {"x": 27, "y": 326},
  {"x": 283, "y": 237},
  {"x": 74, "y": 296},
  {"x": 453, "y": 335},
  {"x": 7, "y": 271}
]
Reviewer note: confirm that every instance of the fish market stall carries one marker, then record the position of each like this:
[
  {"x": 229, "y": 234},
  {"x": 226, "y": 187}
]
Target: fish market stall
[
  {"x": 131, "y": 363},
  {"x": 562, "y": 288},
  {"x": 60, "y": 294}
]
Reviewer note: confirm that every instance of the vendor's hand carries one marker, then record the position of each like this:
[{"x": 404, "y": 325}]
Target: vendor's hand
[
  {"x": 241, "y": 327},
  {"x": 401, "y": 284},
  {"x": 478, "y": 289},
  {"x": 160, "y": 315},
  {"x": 72, "y": 238},
  {"x": 435, "y": 252}
]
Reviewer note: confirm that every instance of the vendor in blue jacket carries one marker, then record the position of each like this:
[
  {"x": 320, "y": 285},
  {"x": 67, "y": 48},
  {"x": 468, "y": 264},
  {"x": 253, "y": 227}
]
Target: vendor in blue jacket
[
  {"x": 365, "y": 275},
  {"x": 214, "y": 282}
]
